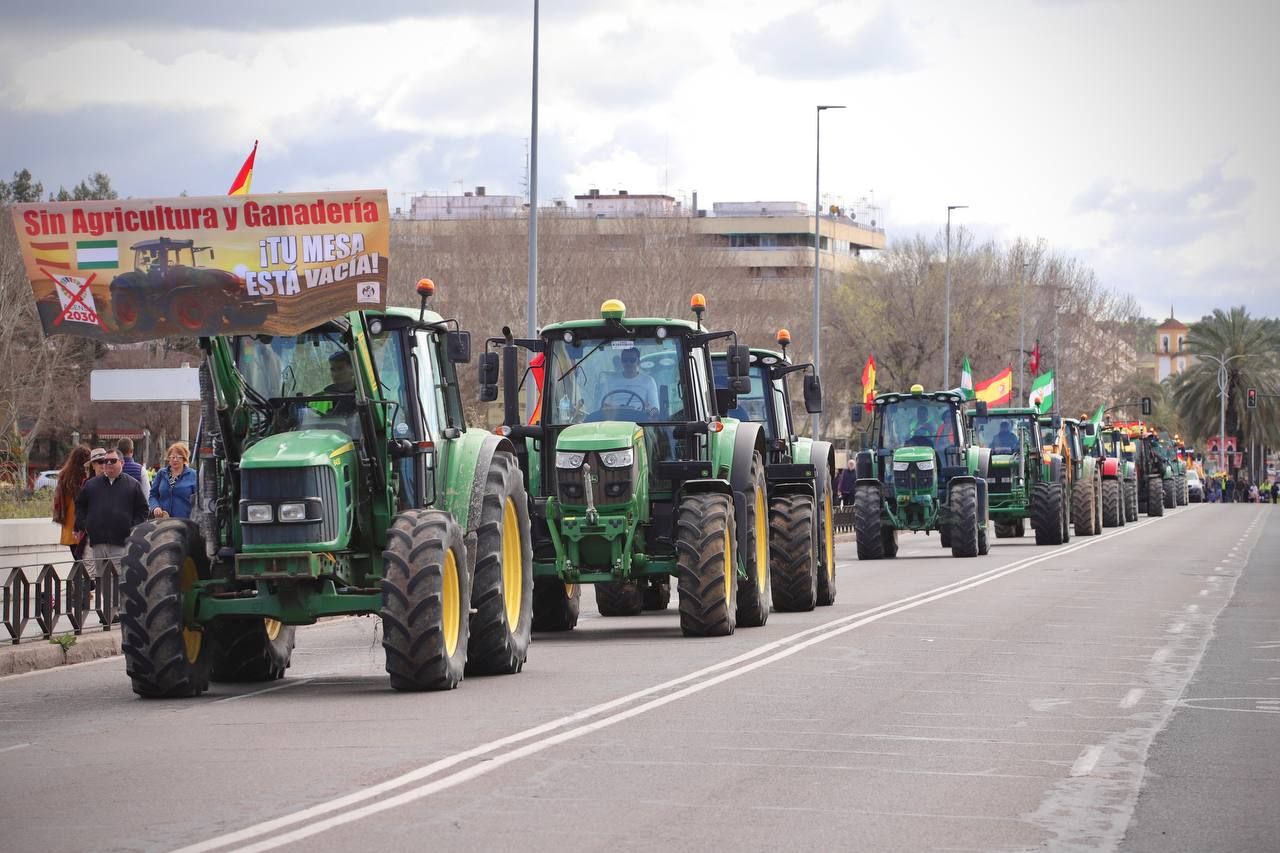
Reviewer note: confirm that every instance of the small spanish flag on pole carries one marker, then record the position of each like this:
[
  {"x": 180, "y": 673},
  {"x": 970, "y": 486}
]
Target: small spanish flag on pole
[
  {"x": 869, "y": 383},
  {"x": 240, "y": 186}
]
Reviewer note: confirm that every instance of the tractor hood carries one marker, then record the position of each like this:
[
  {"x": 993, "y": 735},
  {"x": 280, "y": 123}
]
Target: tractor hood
[
  {"x": 913, "y": 454},
  {"x": 603, "y": 435},
  {"x": 298, "y": 449}
]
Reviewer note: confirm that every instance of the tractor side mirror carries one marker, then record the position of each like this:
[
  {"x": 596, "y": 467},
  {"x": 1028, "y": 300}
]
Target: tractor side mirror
[
  {"x": 812, "y": 394},
  {"x": 982, "y": 408},
  {"x": 740, "y": 369},
  {"x": 726, "y": 399},
  {"x": 855, "y": 413},
  {"x": 489, "y": 377},
  {"x": 458, "y": 344}
]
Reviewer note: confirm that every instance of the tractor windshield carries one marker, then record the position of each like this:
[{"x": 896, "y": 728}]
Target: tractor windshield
[
  {"x": 314, "y": 364},
  {"x": 617, "y": 379},
  {"x": 918, "y": 423},
  {"x": 1000, "y": 433}
]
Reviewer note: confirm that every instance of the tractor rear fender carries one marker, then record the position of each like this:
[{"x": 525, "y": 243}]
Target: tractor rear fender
[
  {"x": 1110, "y": 468},
  {"x": 702, "y": 487},
  {"x": 465, "y": 465},
  {"x": 979, "y": 484},
  {"x": 733, "y": 449}
]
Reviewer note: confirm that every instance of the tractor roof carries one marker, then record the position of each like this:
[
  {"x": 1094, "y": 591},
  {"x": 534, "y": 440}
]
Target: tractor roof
[
  {"x": 628, "y": 322},
  {"x": 940, "y": 396},
  {"x": 412, "y": 313},
  {"x": 164, "y": 243},
  {"x": 1014, "y": 412}
]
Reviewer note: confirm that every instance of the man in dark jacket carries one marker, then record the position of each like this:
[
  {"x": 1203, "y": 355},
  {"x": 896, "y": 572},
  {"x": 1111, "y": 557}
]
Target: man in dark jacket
[
  {"x": 108, "y": 508},
  {"x": 846, "y": 483}
]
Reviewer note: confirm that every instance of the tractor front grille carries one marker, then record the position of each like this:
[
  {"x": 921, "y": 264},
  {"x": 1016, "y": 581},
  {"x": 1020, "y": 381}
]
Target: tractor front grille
[
  {"x": 913, "y": 479},
  {"x": 609, "y": 485},
  {"x": 281, "y": 485}
]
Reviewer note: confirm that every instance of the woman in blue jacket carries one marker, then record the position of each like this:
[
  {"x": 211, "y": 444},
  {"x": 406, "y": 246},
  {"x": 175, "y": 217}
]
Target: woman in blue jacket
[{"x": 173, "y": 488}]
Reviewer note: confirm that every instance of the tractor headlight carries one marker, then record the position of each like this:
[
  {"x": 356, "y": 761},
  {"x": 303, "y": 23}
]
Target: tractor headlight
[
  {"x": 293, "y": 512},
  {"x": 258, "y": 514},
  {"x": 569, "y": 459},
  {"x": 925, "y": 465},
  {"x": 901, "y": 466},
  {"x": 617, "y": 458}
]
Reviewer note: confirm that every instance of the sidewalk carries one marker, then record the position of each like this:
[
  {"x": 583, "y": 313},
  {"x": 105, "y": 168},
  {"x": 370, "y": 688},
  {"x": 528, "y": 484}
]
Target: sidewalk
[{"x": 32, "y": 655}]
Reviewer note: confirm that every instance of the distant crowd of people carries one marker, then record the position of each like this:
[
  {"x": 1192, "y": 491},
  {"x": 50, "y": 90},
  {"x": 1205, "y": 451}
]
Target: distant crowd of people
[
  {"x": 102, "y": 494},
  {"x": 1224, "y": 489}
]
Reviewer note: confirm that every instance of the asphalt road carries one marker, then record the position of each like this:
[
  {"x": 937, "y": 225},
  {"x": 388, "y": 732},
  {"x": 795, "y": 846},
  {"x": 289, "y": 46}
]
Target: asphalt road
[{"x": 1009, "y": 702}]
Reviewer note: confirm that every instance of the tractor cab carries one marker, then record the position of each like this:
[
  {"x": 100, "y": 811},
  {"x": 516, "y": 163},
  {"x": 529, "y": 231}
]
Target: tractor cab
[{"x": 922, "y": 437}]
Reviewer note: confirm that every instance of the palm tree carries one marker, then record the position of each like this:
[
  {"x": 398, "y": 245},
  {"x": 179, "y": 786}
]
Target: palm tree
[{"x": 1251, "y": 348}]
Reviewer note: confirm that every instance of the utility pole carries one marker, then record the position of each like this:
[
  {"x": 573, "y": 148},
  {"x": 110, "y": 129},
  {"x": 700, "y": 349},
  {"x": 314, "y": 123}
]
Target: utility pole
[{"x": 531, "y": 397}]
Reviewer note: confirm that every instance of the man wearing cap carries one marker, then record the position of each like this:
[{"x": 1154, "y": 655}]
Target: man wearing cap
[{"x": 108, "y": 507}]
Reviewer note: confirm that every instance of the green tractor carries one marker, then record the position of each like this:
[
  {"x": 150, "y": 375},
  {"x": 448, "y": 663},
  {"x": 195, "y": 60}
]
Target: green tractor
[
  {"x": 1025, "y": 480},
  {"x": 634, "y": 478},
  {"x": 919, "y": 473},
  {"x": 1151, "y": 473},
  {"x": 1119, "y": 476},
  {"x": 1070, "y": 439},
  {"x": 337, "y": 476},
  {"x": 800, "y": 474}
]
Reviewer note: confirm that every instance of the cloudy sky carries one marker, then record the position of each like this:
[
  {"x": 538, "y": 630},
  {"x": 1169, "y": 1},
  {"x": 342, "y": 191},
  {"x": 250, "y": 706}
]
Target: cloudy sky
[{"x": 1140, "y": 136}]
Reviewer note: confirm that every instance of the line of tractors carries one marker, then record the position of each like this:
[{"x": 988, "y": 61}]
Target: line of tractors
[{"x": 338, "y": 476}]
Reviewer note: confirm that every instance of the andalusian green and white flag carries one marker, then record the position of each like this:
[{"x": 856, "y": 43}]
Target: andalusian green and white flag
[
  {"x": 1096, "y": 420},
  {"x": 966, "y": 380},
  {"x": 1041, "y": 397}
]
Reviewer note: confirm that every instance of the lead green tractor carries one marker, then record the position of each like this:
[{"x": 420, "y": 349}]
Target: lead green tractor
[
  {"x": 920, "y": 474},
  {"x": 1027, "y": 481},
  {"x": 337, "y": 476},
  {"x": 800, "y": 474},
  {"x": 634, "y": 476}
]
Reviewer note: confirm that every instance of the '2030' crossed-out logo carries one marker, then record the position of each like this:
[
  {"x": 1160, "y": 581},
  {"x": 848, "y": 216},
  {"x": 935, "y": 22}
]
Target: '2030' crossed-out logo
[{"x": 369, "y": 291}]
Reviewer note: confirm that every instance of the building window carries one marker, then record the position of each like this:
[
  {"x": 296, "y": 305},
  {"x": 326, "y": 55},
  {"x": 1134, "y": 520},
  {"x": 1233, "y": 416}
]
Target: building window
[{"x": 1164, "y": 343}]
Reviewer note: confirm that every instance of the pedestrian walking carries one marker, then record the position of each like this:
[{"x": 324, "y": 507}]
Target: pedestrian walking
[
  {"x": 71, "y": 478},
  {"x": 846, "y": 483},
  {"x": 173, "y": 489},
  {"x": 1275, "y": 491},
  {"x": 131, "y": 467},
  {"x": 1228, "y": 490},
  {"x": 108, "y": 507}
]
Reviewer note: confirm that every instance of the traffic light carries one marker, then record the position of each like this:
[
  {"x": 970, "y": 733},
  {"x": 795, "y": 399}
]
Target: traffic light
[
  {"x": 1146, "y": 405},
  {"x": 1251, "y": 398}
]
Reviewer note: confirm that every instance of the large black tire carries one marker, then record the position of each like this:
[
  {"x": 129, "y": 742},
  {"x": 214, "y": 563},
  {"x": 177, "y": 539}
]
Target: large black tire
[
  {"x": 250, "y": 649},
  {"x": 656, "y": 593},
  {"x": 555, "y": 605},
  {"x": 1006, "y": 529},
  {"x": 426, "y": 601},
  {"x": 164, "y": 659},
  {"x": 1167, "y": 490},
  {"x": 1066, "y": 513},
  {"x": 1155, "y": 497},
  {"x": 889, "y": 541},
  {"x": 826, "y": 535},
  {"x": 1131, "y": 501},
  {"x": 502, "y": 589},
  {"x": 755, "y": 592},
  {"x": 1112, "y": 511},
  {"x": 963, "y": 512},
  {"x": 793, "y": 553},
  {"x": 1097, "y": 505},
  {"x": 944, "y": 535},
  {"x": 984, "y": 539},
  {"x": 1082, "y": 514},
  {"x": 707, "y": 578},
  {"x": 619, "y": 598},
  {"x": 866, "y": 523},
  {"x": 1046, "y": 513},
  {"x": 1180, "y": 490}
]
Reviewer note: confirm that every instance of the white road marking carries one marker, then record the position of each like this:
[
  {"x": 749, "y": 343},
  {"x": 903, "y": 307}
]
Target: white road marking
[
  {"x": 1192, "y": 608},
  {"x": 340, "y": 811},
  {"x": 282, "y": 686},
  {"x": 1133, "y": 697},
  {"x": 1084, "y": 764},
  {"x": 1161, "y": 655},
  {"x": 15, "y": 746},
  {"x": 1177, "y": 627}
]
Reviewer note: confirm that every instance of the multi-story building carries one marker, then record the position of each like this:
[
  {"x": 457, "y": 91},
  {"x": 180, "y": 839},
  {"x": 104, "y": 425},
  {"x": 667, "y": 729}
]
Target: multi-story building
[{"x": 1171, "y": 353}]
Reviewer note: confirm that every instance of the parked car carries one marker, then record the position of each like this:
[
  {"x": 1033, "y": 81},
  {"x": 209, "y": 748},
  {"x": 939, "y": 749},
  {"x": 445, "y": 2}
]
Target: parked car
[
  {"x": 46, "y": 480},
  {"x": 1195, "y": 487}
]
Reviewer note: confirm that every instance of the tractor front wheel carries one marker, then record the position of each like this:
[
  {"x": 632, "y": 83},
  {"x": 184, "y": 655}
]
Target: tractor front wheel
[
  {"x": 964, "y": 520},
  {"x": 426, "y": 601},
  {"x": 163, "y": 657},
  {"x": 866, "y": 523},
  {"x": 1155, "y": 497},
  {"x": 1131, "y": 501},
  {"x": 555, "y": 604},
  {"x": 1046, "y": 513},
  {"x": 619, "y": 598},
  {"x": 707, "y": 577},
  {"x": 502, "y": 591},
  {"x": 755, "y": 594},
  {"x": 1082, "y": 514},
  {"x": 250, "y": 649},
  {"x": 1112, "y": 511},
  {"x": 793, "y": 553},
  {"x": 826, "y": 527},
  {"x": 1167, "y": 489},
  {"x": 656, "y": 593}
]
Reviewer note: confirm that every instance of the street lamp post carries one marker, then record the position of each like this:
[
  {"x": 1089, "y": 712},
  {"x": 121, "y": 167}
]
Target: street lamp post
[
  {"x": 1223, "y": 361},
  {"x": 817, "y": 243},
  {"x": 946, "y": 330},
  {"x": 1022, "y": 331},
  {"x": 531, "y": 400}
]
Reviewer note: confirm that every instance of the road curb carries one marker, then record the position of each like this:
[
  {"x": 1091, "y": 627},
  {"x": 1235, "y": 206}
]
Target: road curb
[{"x": 37, "y": 654}]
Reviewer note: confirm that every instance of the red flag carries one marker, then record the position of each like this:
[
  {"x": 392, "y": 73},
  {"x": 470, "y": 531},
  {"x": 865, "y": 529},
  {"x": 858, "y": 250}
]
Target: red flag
[
  {"x": 1035, "y": 360},
  {"x": 240, "y": 186},
  {"x": 537, "y": 366},
  {"x": 869, "y": 383}
]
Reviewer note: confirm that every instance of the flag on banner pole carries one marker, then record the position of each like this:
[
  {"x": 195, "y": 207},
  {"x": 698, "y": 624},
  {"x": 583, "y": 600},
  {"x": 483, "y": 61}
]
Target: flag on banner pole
[
  {"x": 966, "y": 380},
  {"x": 1041, "y": 396},
  {"x": 997, "y": 390},
  {"x": 240, "y": 186},
  {"x": 1035, "y": 358},
  {"x": 869, "y": 383}
]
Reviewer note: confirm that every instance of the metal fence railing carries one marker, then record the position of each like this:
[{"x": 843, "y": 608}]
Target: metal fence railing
[
  {"x": 842, "y": 517},
  {"x": 58, "y": 604}
]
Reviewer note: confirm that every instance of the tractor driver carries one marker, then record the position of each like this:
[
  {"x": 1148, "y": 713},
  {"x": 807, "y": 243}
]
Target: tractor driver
[
  {"x": 923, "y": 428},
  {"x": 1004, "y": 441},
  {"x": 630, "y": 391},
  {"x": 344, "y": 382}
]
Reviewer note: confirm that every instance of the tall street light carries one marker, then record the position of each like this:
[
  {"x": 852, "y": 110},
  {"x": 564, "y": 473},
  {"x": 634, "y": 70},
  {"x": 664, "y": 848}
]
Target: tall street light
[
  {"x": 1022, "y": 332},
  {"x": 531, "y": 401},
  {"x": 946, "y": 331},
  {"x": 817, "y": 243},
  {"x": 1222, "y": 362}
]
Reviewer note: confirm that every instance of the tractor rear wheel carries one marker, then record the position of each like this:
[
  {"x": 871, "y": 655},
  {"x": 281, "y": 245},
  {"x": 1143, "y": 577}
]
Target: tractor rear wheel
[
  {"x": 250, "y": 649},
  {"x": 163, "y": 657},
  {"x": 707, "y": 577},
  {"x": 866, "y": 523},
  {"x": 1180, "y": 490},
  {"x": 426, "y": 601},
  {"x": 656, "y": 593},
  {"x": 1046, "y": 513},
  {"x": 502, "y": 589},
  {"x": 963, "y": 514},
  {"x": 1112, "y": 512},
  {"x": 619, "y": 598},
  {"x": 826, "y": 527},
  {"x": 755, "y": 594},
  {"x": 1131, "y": 501},
  {"x": 1166, "y": 488},
  {"x": 1155, "y": 497},
  {"x": 1082, "y": 514},
  {"x": 793, "y": 553},
  {"x": 555, "y": 604}
]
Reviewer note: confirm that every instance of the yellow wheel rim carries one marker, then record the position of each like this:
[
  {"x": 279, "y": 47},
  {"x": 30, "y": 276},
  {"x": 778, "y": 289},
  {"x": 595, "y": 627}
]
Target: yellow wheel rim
[
  {"x": 728, "y": 567},
  {"x": 191, "y": 639},
  {"x": 762, "y": 542},
  {"x": 450, "y": 606},
  {"x": 272, "y": 627},
  {"x": 829, "y": 540},
  {"x": 512, "y": 564}
]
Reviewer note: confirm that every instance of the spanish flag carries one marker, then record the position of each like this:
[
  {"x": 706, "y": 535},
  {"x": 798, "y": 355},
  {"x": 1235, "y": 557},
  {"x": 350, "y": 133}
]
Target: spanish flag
[
  {"x": 869, "y": 383},
  {"x": 240, "y": 186},
  {"x": 997, "y": 390}
]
